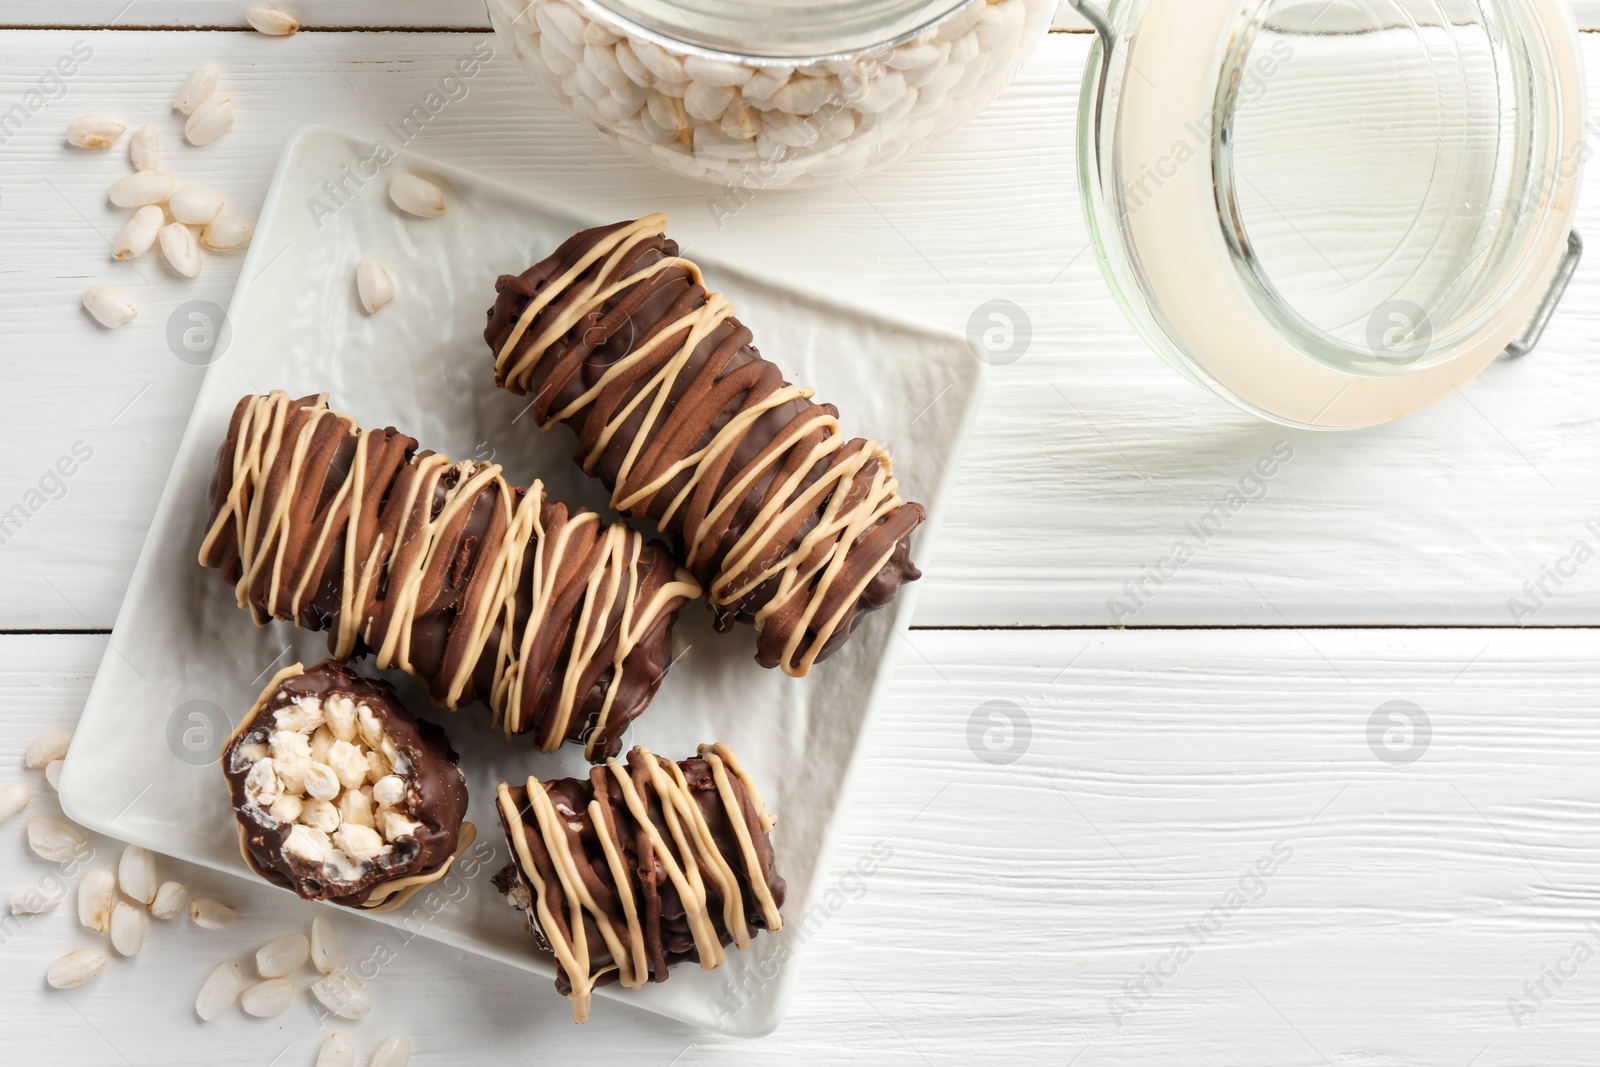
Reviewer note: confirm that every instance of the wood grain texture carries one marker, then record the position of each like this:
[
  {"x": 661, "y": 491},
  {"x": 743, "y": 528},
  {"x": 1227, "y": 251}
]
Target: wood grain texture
[
  {"x": 1090, "y": 458},
  {"x": 187, "y": 14},
  {"x": 1408, "y": 904},
  {"x": 411, "y": 14}
]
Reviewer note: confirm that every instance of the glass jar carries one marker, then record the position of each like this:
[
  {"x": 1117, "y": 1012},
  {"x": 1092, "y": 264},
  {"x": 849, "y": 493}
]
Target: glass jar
[
  {"x": 1333, "y": 212},
  {"x": 774, "y": 94}
]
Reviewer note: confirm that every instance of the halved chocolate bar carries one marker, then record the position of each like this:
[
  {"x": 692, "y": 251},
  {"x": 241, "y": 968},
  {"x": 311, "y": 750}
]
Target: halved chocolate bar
[{"x": 340, "y": 794}]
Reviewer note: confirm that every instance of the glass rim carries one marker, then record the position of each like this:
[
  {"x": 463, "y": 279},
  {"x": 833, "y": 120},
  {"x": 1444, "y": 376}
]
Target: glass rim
[{"x": 813, "y": 32}]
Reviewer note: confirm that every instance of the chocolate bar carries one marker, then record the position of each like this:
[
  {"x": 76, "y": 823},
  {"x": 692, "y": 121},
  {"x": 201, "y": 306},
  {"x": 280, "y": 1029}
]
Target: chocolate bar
[
  {"x": 788, "y": 524},
  {"x": 559, "y": 621},
  {"x": 340, "y": 794},
  {"x": 641, "y": 866}
]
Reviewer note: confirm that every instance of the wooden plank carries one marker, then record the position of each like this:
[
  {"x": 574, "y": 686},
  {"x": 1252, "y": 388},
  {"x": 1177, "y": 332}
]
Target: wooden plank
[
  {"x": 407, "y": 14},
  {"x": 1403, "y": 907},
  {"x": 1090, "y": 461},
  {"x": 385, "y": 14},
  {"x": 1585, "y": 12}
]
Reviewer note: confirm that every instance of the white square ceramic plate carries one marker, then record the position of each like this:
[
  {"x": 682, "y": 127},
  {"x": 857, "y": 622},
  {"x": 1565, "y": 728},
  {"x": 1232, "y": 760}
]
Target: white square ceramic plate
[{"x": 139, "y": 767}]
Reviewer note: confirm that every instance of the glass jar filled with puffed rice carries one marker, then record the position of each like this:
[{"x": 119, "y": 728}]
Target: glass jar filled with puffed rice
[{"x": 765, "y": 94}]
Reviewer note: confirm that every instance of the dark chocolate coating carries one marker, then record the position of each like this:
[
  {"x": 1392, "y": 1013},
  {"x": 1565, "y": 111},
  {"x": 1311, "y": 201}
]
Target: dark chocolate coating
[
  {"x": 437, "y": 793},
  {"x": 724, "y": 375},
  {"x": 456, "y": 582},
  {"x": 668, "y": 940}
]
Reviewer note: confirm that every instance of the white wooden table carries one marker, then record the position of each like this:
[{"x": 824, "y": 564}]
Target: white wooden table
[{"x": 1427, "y": 892}]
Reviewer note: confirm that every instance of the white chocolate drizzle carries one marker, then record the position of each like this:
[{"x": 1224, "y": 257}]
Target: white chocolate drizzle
[
  {"x": 613, "y": 581},
  {"x": 687, "y": 852},
  {"x": 807, "y": 572}
]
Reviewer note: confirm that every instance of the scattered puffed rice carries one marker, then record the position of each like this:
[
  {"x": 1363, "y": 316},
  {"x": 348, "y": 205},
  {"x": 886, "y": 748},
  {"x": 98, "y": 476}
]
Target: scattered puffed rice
[
  {"x": 343, "y": 995},
  {"x": 136, "y": 874},
  {"x": 13, "y": 798},
  {"x": 209, "y": 121},
  {"x": 220, "y": 989},
  {"x": 34, "y": 902},
  {"x": 170, "y": 900},
  {"x": 53, "y": 840},
  {"x": 127, "y": 928},
  {"x": 196, "y": 89},
  {"x": 139, "y": 233},
  {"x": 337, "y": 1051},
  {"x": 48, "y": 746},
  {"x": 97, "y": 894},
  {"x": 141, "y": 188},
  {"x": 196, "y": 207},
  {"x": 144, "y": 149},
  {"x": 110, "y": 307},
  {"x": 178, "y": 245},
  {"x": 416, "y": 196},
  {"x": 394, "y": 1052},
  {"x": 75, "y": 968},
  {"x": 210, "y": 915},
  {"x": 271, "y": 21},
  {"x": 376, "y": 289},
  {"x": 323, "y": 945},
  {"x": 227, "y": 232},
  {"x": 265, "y": 999},
  {"x": 94, "y": 131},
  {"x": 283, "y": 956}
]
